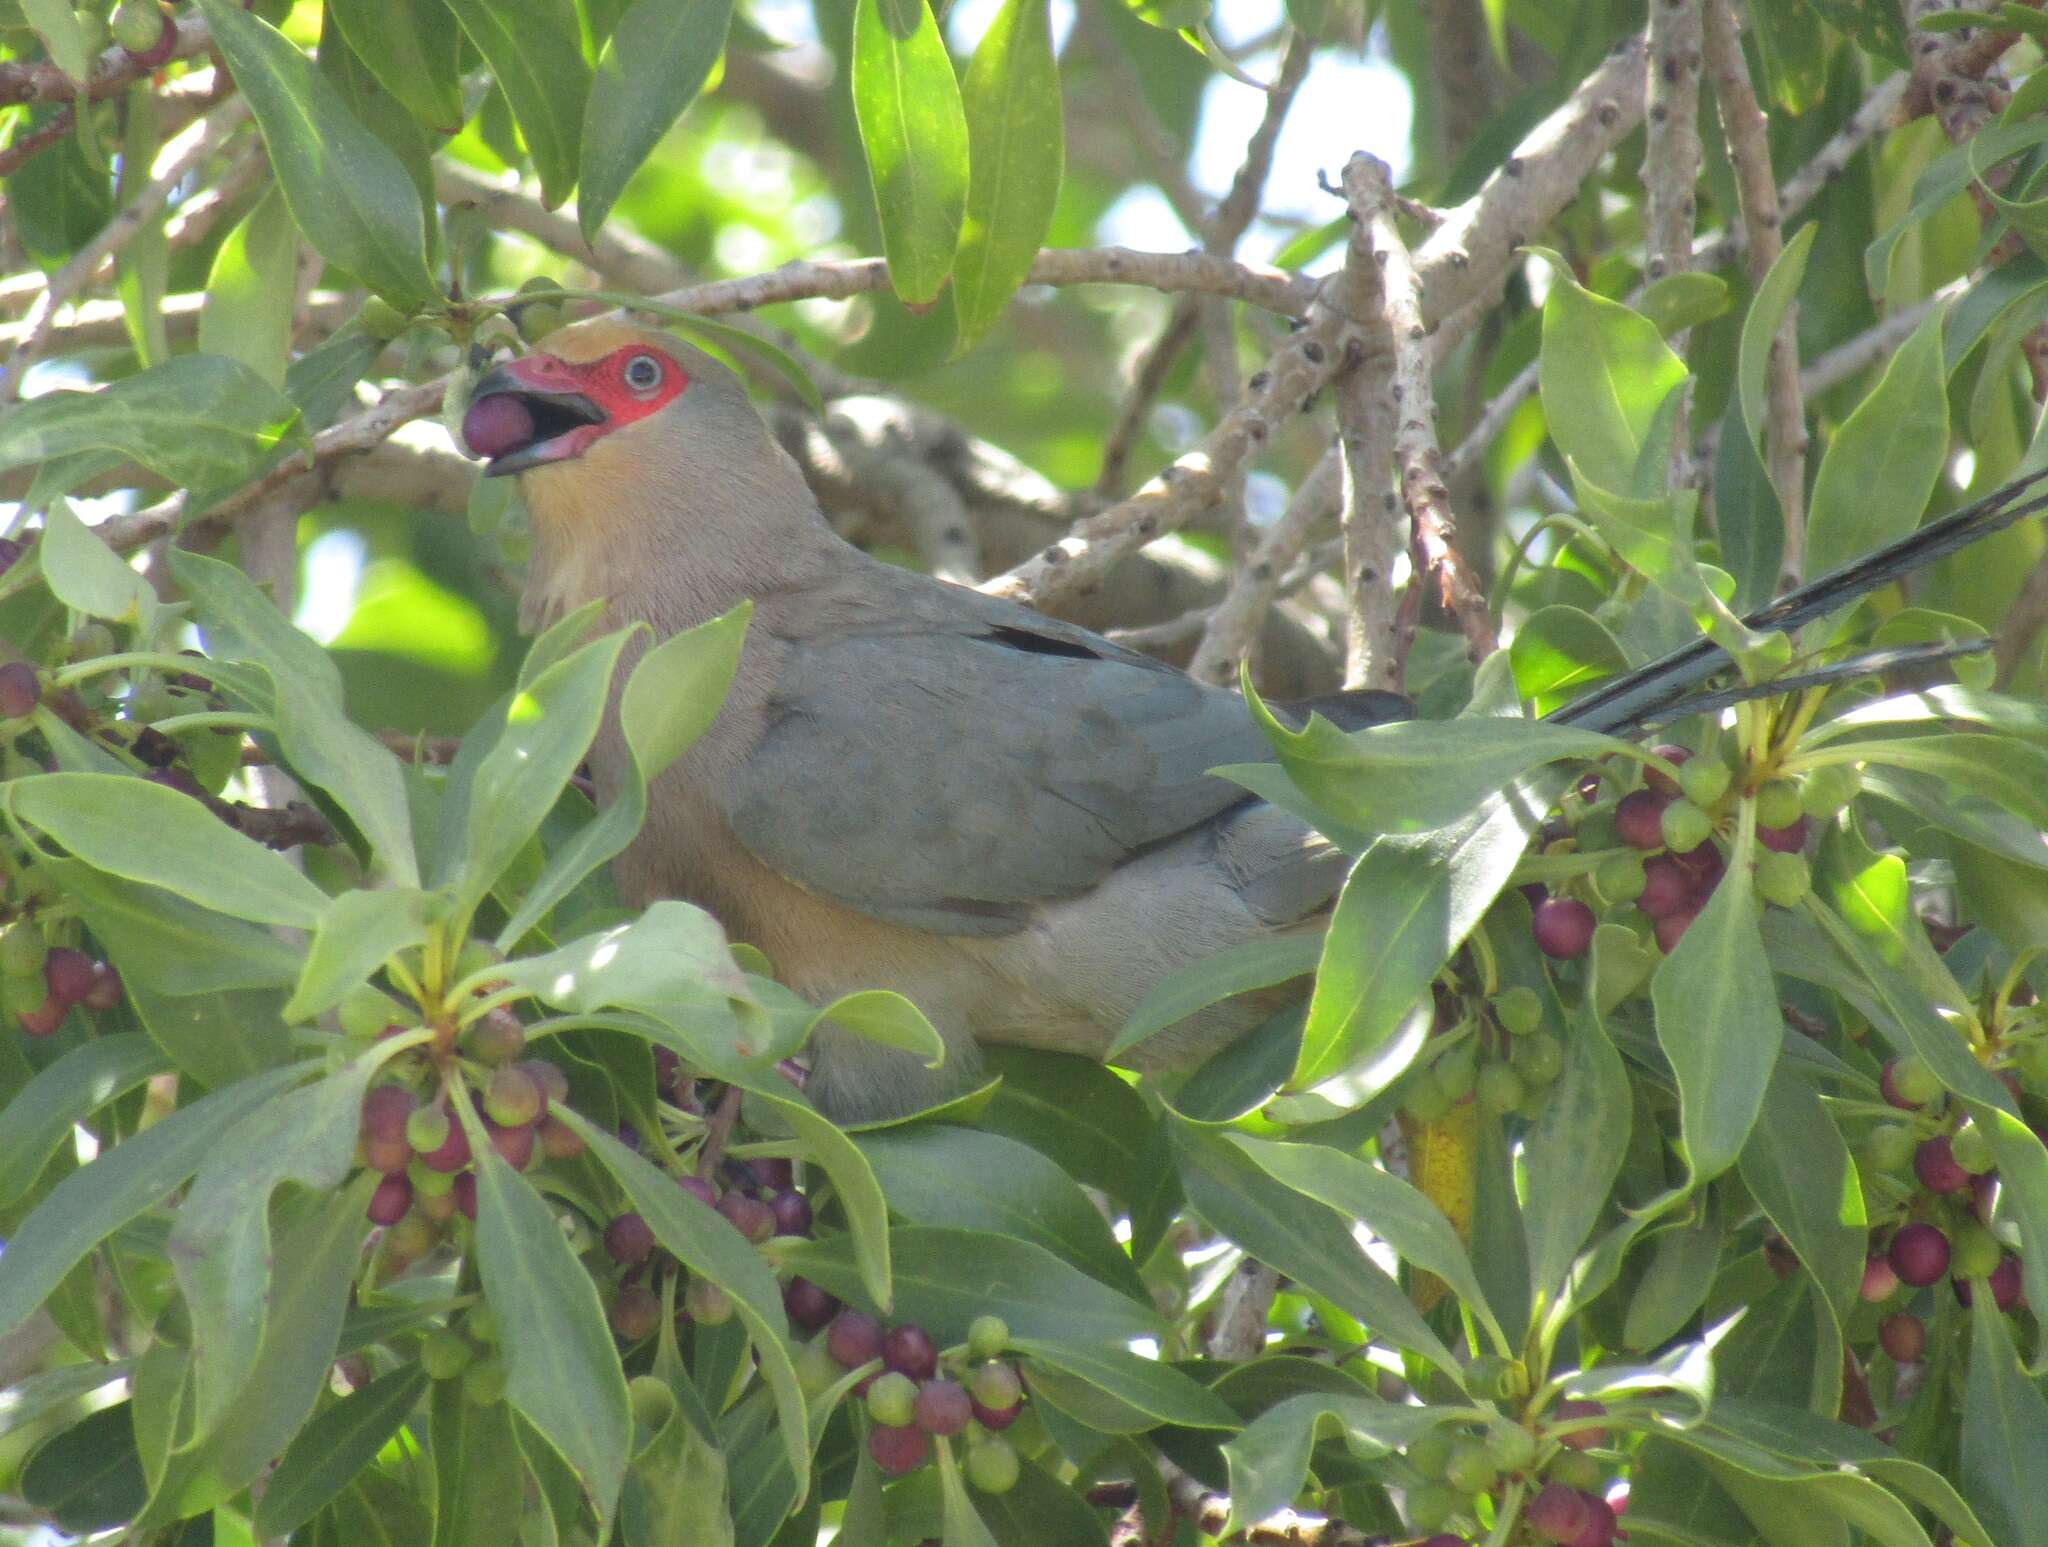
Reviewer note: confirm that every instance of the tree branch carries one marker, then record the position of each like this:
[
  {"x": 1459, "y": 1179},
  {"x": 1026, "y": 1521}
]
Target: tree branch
[
  {"x": 1232, "y": 625},
  {"x": 112, "y": 72}
]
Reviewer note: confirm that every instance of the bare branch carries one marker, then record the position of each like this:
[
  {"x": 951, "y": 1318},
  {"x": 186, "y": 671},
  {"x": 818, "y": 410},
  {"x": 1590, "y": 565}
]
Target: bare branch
[
  {"x": 1873, "y": 344},
  {"x": 1375, "y": 650},
  {"x": 1671, "y": 149},
  {"x": 621, "y": 259},
  {"x": 1232, "y": 625},
  {"x": 1142, "y": 393}
]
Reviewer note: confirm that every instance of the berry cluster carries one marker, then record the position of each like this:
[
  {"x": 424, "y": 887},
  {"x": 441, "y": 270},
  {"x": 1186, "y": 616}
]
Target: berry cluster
[
  {"x": 1458, "y": 1464},
  {"x": 1658, "y": 846},
  {"x": 913, "y": 1392},
  {"x": 1939, "y": 1224},
  {"x": 1494, "y": 1052}
]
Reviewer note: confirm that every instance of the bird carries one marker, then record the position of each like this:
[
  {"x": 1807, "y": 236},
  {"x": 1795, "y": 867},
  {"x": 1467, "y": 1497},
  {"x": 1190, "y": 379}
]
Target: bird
[{"x": 915, "y": 786}]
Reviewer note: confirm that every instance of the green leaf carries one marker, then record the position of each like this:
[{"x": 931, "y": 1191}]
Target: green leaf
[
  {"x": 907, "y": 104},
  {"x": 886, "y": 1017},
  {"x": 547, "y": 729},
  {"x": 657, "y": 60},
  {"x": 356, "y": 934},
  {"x": 1683, "y": 300},
  {"x": 88, "y": 1477},
  {"x": 1407, "y": 905},
  {"x": 964, "y": 1528},
  {"x": 249, "y": 294},
  {"x": 476, "y": 1467},
  {"x": 705, "y": 1244},
  {"x": 1308, "y": 1242},
  {"x": 1270, "y": 1459},
  {"x": 536, "y": 54},
  {"x": 163, "y": 943},
  {"x": 945, "y": 1278},
  {"x": 1882, "y": 464},
  {"x": 1394, "y": 1211},
  {"x": 34, "y": 1397},
  {"x": 1605, "y": 372},
  {"x": 410, "y": 46},
  {"x": 1011, "y": 98},
  {"x": 1718, "y": 1018},
  {"x": 197, "y": 421},
  {"x": 962, "y": 1178},
  {"x": 142, "y": 265},
  {"x": 1558, "y": 650},
  {"x": 63, "y": 35},
  {"x": 671, "y": 962},
  {"x": 1238, "y": 969},
  {"x": 320, "y": 744},
  {"x": 83, "y": 572},
  {"x": 1766, "y": 310},
  {"x": 42, "y": 1115},
  {"x": 1159, "y": 1391},
  {"x": 1800, "y": 1171},
  {"x": 853, "y": 1180},
  {"x": 97, "y": 1199},
  {"x": 190, "y": 852},
  {"x": 563, "y": 1367},
  {"x": 349, "y": 194},
  {"x": 325, "y": 1456}
]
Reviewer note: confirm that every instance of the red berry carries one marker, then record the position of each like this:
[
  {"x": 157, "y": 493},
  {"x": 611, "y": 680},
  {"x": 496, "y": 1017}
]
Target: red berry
[
  {"x": 1934, "y": 1163},
  {"x": 391, "y": 1200},
  {"x": 668, "y": 1069},
  {"x": 1667, "y": 887},
  {"x": 1580, "y": 1439},
  {"x": 1639, "y": 819},
  {"x": 899, "y": 1450},
  {"x": 2006, "y": 1282},
  {"x": 1879, "y": 1281},
  {"x": 44, "y": 1020},
  {"x": 1563, "y": 927},
  {"x": 807, "y": 1305},
  {"x": 636, "y": 1313},
  {"x": 385, "y": 1109},
  {"x": 1784, "y": 840},
  {"x": 70, "y": 975},
  {"x": 1918, "y": 1254},
  {"x": 1600, "y": 1524},
  {"x": 514, "y": 1145},
  {"x": 1671, "y": 928},
  {"x": 558, "y": 1141},
  {"x": 1656, "y": 778},
  {"x": 453, "y": 1154},
  {"x": 105, "y": 992},
  {"x": 20, "y": 690},
  {"x": 749, "y": 1216},
  {"x": 775, "y": 1173},
  {"x": 1558, "y": 1513},
  {"x": 792, "y": 1212},
  {"x": 854, "y": 1339},
  {"x": 910, "y": 1349},
  {"x": 1903, "y": 1336},
  {"x": 496, "y": 424},
  {"x": 161, "y": 50},
  {"x": 10, "y": 552},
  {"x": 465, "y": 1194},
  {"x": 629, "y": 1239},
  {"x": 943, "y": 1407},
  {"x": 699, "y": 1189}
]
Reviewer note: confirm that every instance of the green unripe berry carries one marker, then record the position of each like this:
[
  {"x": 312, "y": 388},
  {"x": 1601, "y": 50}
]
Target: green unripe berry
[
  {"x": 1499, "y": 1090},
  {"x": 993, "y": 1466},
  {"x": 1511, "y": 1446},
  {"x": 1456, "y": 1070},
  {"x": 366, "y": 1010},
  {"x": 1620, "y": 877},
  {"x": 537, "y": 319},
  {"x": 1782, "y": 878},
  {"x": 1577, "y": 1470},
  {"x": 496, "y": 1037},
  {"x": 481, "y": 1324},
  {"x": 1596, "y": 830},
  {"x": 513, "y": 1099},
  {"x": 2032, "y": 1058},
  {"x": 1827, "y": 790},
  {"x": 444, "y": 1354},
  {"x": 1704, "y": 780},
  {"x": 1423, "y": 1100},
  {"x": 1519, "y": 1010},
  {"x": 1973, "y": 1251},
  {"x": 1888, "y": 1147},
  {"x": 892, "y": 1399},
  {"x": 1430, "y": 1506},
  {"x": 22, "y": 950},
  {"x": 1914, "y": 1080},
  {"x": 484, "y": 1382},
  {"x": 1779, "y": 804},
  {"x": 816, "y": 1370},
  {"x": 381, "y": 320},
  {"x": 1430, "y": 1453},
  {"x": 426, "y": 1130},
  {"x": 708, "y": 1305},
  {"x": 1539, "y": 1059},
  {"x": 1684, "y": 826},
  {"x": 137, "y": 25},
  {"x": 987, "y": 1336},
  {"x": 1971, "y": 1147},
  {"x": 1470, "y": 1469}
]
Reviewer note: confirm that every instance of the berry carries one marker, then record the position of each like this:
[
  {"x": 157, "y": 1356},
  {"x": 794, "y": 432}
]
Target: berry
[
  {"x": 1445, "y": 1539},
  {"x": 791, "y": 1211},
  {"x": 1511, "y": 1446},
  {"x": 1827, "y": 790},
  {"x": 1456, "y": 1071},
  {"x": 160, "y": 49},
  {"x": 898, "y": 1450},
  {"x": 426, "y": 1128},
  {"x": 854, "y": 1339},
  {"x": 636, "y": 1313},
  {"x": 699, "y": 1189},
  {"x": 537, "y": 319},
  {"x": 1620, "y": 877},
  {"x": 514, "y": 1145},
  {"x": 513, "y": 1098},
  {"x": 496, "y": 424},
  {"x": 69, "y": 975},
  {"x": 910, "y": 1349},
  {"x": 1470, "y": 1469},
  {"x": 498, "y": 1037},
  {"x": 1500, "y": 1090},
  {"x": 816, "y": 1374},
  {"x": 1423, "y": 1100},
  {"x": 44, "y": 1020},
  {"x": 1573, "y": 1408},
  {"x": 1539, "y": 1059},
  {"x": 1971, "y": 1147},
  {"x": 1684, "y": 826},
  {"x": 1638, "y": 819},
  {"x": 1887, "y": 1147},
  {"x": 993, "y": 1467},
  {"x": 807, "y": 1305},
  {"x": 452, "y": 1154},
  {"x": 22, "y": 952},
  {"x": 1656, "y": 778},
  {"x": 775, "y": 1173},
  {"x": 706, "y": 1303},
  {"x": 1519, "y": 1010},
  {"x": 554, "y": 1085},
  {"x": 1918, "y": 1254},
  {"x": 997, "y": 1393},
  {"x": 1778, "y": 804},
  {"x": 1879, "y": 1281},
  {"x": 1903, "y": 1336},
  {"x": 629, "y": 1239},
  {"x": 1600, "y": 1524},
  {"x": 1974, "y": 1252},
  {"x": 1558, "y": 1513},
  {"x": 10, "y": 553},
  {"x": 1576, "y": 1471},
  {"x": 749, "y": 1216},
  {"x": 986, "y": 1336},
  {"x": 1934, "y": 1163},
  {"x": 892, "y": 1399},
  {"x": 1908, "y": 1083},
  {"x": 1783, "y": 840},
  {"x": 558, "y": 1141},
  {"x": 2006, "y": 1282},
  {"x": 20, "y": 690},
  {"x": 444, "y": 1354},
  {"x": 1431, "y": 1505},
  {"x": 391, "y": 1200},
  {"x": 1430, "y": 1453},
  {"x": 1782, "y": 878},
  {"x": 386, "y": 1110},
  {"x": 484, "y": 1382},
  {"x": 105, "y": 992},
  {"x": 1704, "y": 780},
  {"x": 943, "y": 1407},
  {"x": 1671, "y": 928},
  {"x": 1667, "y": 887},
  {"x": 1563, "y": 927}
]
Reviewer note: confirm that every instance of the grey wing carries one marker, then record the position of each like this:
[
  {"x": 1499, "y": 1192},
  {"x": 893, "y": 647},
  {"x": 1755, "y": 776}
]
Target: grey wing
[{"x": 949, "y": 777}]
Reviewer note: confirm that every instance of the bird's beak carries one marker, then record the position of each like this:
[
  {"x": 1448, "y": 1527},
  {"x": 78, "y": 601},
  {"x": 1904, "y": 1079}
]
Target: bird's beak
[{"x": 564, "y": 421}]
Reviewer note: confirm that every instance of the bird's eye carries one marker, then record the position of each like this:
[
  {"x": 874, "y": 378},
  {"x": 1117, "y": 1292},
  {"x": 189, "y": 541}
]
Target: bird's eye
[{"x": 643, "y": 373}]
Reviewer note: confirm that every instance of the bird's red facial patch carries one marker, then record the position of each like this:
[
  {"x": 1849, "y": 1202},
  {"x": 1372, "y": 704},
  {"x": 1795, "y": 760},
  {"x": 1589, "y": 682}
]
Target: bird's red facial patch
[{"x": 541, "y": 408}]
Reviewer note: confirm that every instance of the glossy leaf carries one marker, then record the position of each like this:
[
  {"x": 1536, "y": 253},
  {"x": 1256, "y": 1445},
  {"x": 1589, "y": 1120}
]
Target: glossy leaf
[
  {"x": 1270, "y": 1459},
  {"x": 1016, "y": 146},
  {"x": 1160, "y": 1391},
  {"x": 411, "y": 47},
  {"x": 658, "y": 57},
  {"x": 907, "y": 103},
  {"x": 536, "y": 56},
  {"x": 357, "y": 933},
  {"x": 62, "y": 34},
  {"x": 884, "y": 1016},
  {"x": 1559, "y": 650},
  {"x": 348, "y": 193},
  {"x": 1238, "y": 970},
  {"x": 1605, "y": 373}
]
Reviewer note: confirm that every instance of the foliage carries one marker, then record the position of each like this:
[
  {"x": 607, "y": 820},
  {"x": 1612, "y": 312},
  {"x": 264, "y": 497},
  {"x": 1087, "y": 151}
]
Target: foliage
[{"x": 1653, "y": 1122}]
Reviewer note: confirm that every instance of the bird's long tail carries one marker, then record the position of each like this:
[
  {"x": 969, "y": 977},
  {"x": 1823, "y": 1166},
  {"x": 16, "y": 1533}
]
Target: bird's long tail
[{"x": 1663, "y": 690}]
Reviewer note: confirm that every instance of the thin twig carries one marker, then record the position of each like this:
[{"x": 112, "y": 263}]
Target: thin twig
[{"x": 1146, "y": 382}]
